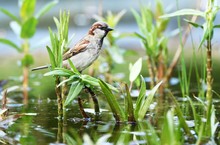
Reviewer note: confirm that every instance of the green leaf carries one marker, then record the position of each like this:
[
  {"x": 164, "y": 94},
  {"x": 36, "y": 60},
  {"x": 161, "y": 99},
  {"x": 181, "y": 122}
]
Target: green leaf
[
  {"x": 194, "y": 24},
  {"x": 145, "y": 106},
  {"x": 10, "y": 43},
  {"x": 217, "y": 26},
  {"x": 113, "y": 103},
  {"x": 27, "y": 9},
  {"x": 184, "y": 12},
  {"x": 73, "y": 68},
  {"x": 179, "y": 113},
  {"x": 135, "y": 70},
  {"x": 27, "y": 60},
  {"x": 52, "y": 59},
  {"x": 75, "y": 89},
  {"x": 46, "y": 8},
  {"x": 141, "y": 97},
  {"x": 95, "y": 82},
  {"x": 29, "y": 28},
  {"x": 58, "y": 72},
  {"x": 9, "y": 14},
  {"x": 90, "y": 80}
]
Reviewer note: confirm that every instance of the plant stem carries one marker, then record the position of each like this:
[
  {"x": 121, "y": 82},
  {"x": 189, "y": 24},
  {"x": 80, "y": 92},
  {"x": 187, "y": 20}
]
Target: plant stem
[
  {"x": 25, "y": 73},
  {"x": 151, "y": 72},
  {"x": 95, "y": 100},
  {"x": 209, "y": 81},
  {"x": 209, "y": 78},
  {"x": 83, "y": 113},
  {"x": 178, "y": 52},
  {"x": 59, "y": 98}
]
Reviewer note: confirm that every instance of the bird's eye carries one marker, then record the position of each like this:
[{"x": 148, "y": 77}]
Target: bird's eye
[{"x": 102, "y": 28}]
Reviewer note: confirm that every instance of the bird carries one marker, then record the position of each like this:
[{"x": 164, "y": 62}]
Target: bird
[{"x": 87, "y": 50}]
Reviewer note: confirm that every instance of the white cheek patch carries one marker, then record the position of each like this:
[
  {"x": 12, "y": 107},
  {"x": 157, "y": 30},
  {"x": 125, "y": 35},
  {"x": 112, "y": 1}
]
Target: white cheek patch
[{"x": 99, "y": 33}]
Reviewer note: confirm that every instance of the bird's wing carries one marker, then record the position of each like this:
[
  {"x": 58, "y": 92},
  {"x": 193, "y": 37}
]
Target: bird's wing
[{"x": 79, "y": 47}]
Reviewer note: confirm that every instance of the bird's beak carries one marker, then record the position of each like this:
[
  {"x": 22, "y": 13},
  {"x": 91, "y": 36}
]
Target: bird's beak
[{"x": 109, "y": 29}]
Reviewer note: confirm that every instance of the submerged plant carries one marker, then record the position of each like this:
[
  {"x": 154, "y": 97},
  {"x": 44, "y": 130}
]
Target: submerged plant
[{"x": 24, "y": 28}]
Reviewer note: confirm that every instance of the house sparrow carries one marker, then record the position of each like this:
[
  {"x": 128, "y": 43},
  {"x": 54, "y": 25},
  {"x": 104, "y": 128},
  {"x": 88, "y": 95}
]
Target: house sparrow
[{"x": 87, "y": 50}]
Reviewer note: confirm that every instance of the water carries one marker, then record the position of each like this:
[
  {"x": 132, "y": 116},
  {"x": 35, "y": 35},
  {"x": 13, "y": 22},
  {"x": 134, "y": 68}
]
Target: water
[{"x": 42, "y": 126}]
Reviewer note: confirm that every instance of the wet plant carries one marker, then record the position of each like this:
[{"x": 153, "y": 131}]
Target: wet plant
[
  {"x": 129, "y": 112},
  {"x": 59, "y": 44},
  {"x": 208, "y": 29},
  {"x": 77, "y": 82},
  {"x": 24, "y": 28}
]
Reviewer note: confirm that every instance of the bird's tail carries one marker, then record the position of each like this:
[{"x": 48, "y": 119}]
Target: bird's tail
[{"x": 40, "y": 67}]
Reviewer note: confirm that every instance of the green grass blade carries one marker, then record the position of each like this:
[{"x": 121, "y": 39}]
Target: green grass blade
[
  {"x": 75, "y": 89},
  {"x": 147, "y": 102},
  {"x": 10, "y": 43},
  {"x": 113, "y": 103},
  {"x": 52, "y": 58},
  {"x": 180, "y": 116}
]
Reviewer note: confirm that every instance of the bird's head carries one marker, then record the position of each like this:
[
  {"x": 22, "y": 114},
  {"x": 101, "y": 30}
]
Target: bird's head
[{"x": 99, "y": 29}]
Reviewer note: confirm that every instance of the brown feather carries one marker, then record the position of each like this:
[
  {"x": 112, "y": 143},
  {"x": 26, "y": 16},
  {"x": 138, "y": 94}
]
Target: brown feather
[{"x": 79, "y": 47}]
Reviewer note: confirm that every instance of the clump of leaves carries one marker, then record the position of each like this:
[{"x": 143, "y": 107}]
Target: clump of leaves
[
  {"x": 76, "y": 80},
  {"x": 130, "y": 113},
  {"x": 154, "y": 41}
]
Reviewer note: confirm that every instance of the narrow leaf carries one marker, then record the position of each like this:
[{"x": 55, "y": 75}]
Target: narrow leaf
[
  {"x": 10, "y": 43},
  {"x": 46, "y": 8},
  {"x": 184, "y": 12},
  {"x": 90, "y": 80},
  {"x": 73, "y": 68},
  {"x": 52, "y": 59},
  {"x": 57, "y": 73},
  {"x": 180, "y": 116},
  {"x": 147, "y": 102},
  {"x": 113, "y": 103},
  {"x": 9, "y": 14},
  {"x": 194, "y": 24},
  {"x": 75, "y": 89}
]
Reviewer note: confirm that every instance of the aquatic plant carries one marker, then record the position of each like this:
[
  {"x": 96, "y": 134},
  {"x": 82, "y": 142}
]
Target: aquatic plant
[{"x": 208, "y": 29}]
